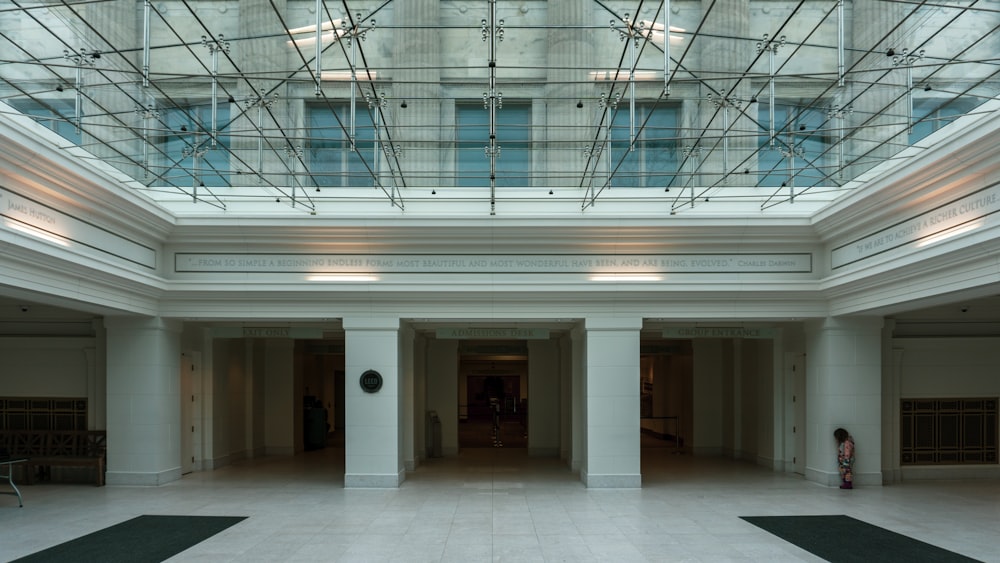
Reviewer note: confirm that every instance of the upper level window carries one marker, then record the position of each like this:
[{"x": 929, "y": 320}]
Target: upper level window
[
  {"x": 803, "y": 138},
  {"x": 330, "y": 158},
  {"x": 57, "y": 115},
  {"x": 186, "y": 136},
  {"x": 513, "y": 135},
  {"x": 930, "y": 114},
  {"x": 653, "y": 162}
]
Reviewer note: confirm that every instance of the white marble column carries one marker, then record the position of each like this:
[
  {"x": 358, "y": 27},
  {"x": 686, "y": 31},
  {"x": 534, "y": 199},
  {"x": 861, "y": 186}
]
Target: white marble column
[
  {"x": 373, "y": 438},
  {"x": 612, "y": 458},
  {"x": 143, "y": 410},
  {"x": 844, "y": 389}
]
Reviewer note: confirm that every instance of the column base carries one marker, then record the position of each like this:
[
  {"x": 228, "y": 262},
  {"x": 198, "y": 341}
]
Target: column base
[
  {"x": 134, "y": 478},
  {"x": 373, "y": 481},
  {"x": 606, "y": 481}
]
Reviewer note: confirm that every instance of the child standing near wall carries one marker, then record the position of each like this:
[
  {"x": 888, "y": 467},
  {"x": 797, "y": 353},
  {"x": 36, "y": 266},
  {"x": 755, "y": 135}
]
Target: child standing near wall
[{"x": 845, "y": 458}]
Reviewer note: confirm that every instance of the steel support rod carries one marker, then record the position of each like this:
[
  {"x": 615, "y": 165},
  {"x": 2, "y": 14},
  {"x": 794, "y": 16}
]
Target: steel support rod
[
  {"x": 907, "y": 58},
  {"x": 319, "y": 46},
  {"x": 354, "y": 87},
  {"x": 770, "y": 93},
  {"x": 840, "y": 43},
  {"x": 214, "y": 46},
  {"x": 771, "y": 47},
  {"x": 631, "y": 82},
  {"x": 492, "y": 33},
  {"x": 145, "y": 44},
  {"x": 666, "y": 47}
]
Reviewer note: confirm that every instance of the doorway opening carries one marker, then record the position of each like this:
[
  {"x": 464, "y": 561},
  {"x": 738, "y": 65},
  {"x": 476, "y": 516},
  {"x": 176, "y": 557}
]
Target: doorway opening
[
  {"x": 493, "y": 394},
  {"x": 322, "y": 374},
  {"x": 666, "y": 396}
]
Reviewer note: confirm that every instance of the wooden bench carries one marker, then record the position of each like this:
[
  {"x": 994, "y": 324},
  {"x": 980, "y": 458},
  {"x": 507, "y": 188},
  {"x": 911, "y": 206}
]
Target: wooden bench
[{"x": 61, "y": 448}]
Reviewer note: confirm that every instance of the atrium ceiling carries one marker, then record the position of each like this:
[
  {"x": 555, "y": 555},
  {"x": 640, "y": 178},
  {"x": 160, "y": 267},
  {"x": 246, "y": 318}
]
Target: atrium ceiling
[{"x": 304, "y": 106}]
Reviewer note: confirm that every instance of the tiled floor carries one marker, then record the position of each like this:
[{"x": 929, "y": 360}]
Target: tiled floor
[{"x": 498, "y": 505}]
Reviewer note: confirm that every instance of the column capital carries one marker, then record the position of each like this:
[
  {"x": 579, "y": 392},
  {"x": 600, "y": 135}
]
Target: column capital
[
  {"x": 371, "y": 323},
  {"x": 154, "y": 323},
  {"x": 846, "y": 323},
  {"x": 612, "y": 323}
]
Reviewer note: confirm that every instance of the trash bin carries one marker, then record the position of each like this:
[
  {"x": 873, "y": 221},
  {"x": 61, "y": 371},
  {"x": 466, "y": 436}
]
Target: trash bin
[
  {"x": 433, "y": 434},
  {"x": 315, "y": 428}
]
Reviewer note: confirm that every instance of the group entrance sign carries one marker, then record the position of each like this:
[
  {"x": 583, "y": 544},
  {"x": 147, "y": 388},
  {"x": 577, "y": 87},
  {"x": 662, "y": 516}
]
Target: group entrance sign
[{"x": 720, "y": 332}]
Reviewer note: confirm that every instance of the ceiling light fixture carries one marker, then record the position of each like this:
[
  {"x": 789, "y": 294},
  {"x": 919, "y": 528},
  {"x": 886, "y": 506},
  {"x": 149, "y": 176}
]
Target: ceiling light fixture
[
  {"x": 364, "y": 75},
  {"x": 619, "y": 75},
  {"x": 330, "y": 31},
  {"x": 36, "y": 232},
  {"x": 654, "y": 32},
  {"x": 949, "y": 233}
]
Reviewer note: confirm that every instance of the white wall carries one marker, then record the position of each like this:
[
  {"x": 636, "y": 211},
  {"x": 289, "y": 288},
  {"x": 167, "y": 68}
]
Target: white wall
[
  {"x": 949, "y": 367},
  {"x": 280, "y": 422},
  {"x": 45, "y": 367},
  {"x": 543, "y": 408},
  {"x": 442, "y": 390},
  {"x": 421, "y": 432},
  {"x": 565, "y": 398},
  {"x": 225, "y": 397},
  {"x": 707, "y": 411},
  {"x": 408, "y": 411},
  {"x": 944, "y": 367}
]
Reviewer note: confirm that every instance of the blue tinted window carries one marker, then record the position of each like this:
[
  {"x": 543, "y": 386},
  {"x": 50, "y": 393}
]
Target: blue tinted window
[
  {"x": 654, "y": 161},
  {"x": 802, "y": 139},
  {"x": 513, "y": 130},
  {"x": 187, "y": 131},
  {"x": 57, "y": 115},
  {"x": 929, "y": 115},
  {"x": 331, "y": 161}
]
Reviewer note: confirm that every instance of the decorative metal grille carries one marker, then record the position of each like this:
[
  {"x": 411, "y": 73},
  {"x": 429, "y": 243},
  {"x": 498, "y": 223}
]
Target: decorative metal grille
[
  {"x": 30, "y": 413},
  {"x": 948, "y": 431}
]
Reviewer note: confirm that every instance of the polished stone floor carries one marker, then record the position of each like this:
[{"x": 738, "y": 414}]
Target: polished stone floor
[{"x": 496, "y": 504}]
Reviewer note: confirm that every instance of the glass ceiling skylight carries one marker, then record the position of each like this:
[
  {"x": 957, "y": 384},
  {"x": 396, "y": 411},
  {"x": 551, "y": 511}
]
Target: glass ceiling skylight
[{"x": 303, "y": 105}]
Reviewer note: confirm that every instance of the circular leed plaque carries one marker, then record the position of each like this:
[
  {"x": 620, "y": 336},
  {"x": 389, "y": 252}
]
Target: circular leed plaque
[{"x": 371, "y": 381}]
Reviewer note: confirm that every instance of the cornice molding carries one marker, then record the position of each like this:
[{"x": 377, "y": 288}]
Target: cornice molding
[
  {"x": 955, "y": 161},
  {"x": 41, "y": 165}
]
